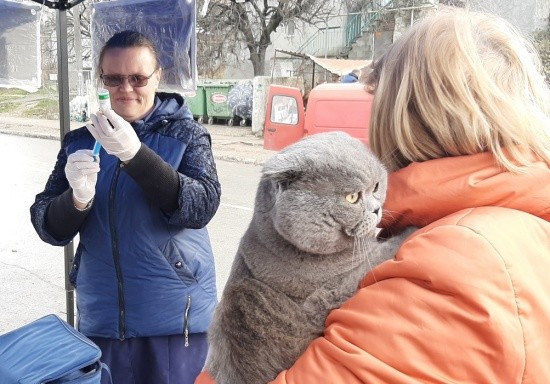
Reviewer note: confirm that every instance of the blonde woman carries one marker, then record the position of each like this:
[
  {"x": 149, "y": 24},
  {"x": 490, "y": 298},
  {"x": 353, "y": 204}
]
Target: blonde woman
[{"x": 461, "y": 119}]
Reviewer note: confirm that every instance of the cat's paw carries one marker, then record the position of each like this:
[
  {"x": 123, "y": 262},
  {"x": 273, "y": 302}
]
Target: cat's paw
[{"x": 323, "y": 300}]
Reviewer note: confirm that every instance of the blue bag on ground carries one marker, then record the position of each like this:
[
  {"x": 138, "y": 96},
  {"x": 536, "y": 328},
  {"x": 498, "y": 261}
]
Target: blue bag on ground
[{"x": 49, "y": 350}]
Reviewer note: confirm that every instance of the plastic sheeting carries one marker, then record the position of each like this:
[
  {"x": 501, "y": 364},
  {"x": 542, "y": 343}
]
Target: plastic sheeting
[
  {"x": 340, "y": 66},
  {"x": 337, "y": 66},
  {"x": 169, "y": 23},
  {"x": 20, "y": 58}
]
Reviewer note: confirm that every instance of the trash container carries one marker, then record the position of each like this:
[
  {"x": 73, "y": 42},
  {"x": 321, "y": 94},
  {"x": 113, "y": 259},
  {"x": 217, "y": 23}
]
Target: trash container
[
  {"x": 197, "y": 104},
  {"x": 240, "y": 100},
  {"x": 217, "y": 107}
]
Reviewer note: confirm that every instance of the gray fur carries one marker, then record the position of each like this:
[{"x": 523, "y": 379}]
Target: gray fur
[{"x": 304, "y": 253}]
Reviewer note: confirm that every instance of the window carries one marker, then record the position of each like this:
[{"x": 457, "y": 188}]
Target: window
[{"x": 284, "y": 110}]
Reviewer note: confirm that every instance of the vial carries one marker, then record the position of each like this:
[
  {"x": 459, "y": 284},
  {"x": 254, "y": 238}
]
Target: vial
[
  {"x": 103, "y": 99},
  {"x": 104, "y": 104}
]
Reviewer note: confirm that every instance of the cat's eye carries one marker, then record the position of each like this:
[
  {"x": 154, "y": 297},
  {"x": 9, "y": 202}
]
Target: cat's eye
[
  {"x": 352, "y": 197},
  {"x": 376, "y": 187}
]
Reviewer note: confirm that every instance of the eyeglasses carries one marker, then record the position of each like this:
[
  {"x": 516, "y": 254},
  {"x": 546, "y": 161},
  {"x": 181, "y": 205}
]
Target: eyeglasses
[{"x": 133, "y": 80}]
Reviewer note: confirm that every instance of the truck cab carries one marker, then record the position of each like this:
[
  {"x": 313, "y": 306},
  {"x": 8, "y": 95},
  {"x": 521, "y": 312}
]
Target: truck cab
[{"x": 330, "y": 107}]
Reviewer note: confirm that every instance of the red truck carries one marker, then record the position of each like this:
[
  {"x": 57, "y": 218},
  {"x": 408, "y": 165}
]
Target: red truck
[{"x": 330, "y": 107}]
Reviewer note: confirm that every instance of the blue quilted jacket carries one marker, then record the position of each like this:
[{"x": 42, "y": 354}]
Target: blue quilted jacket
[{"x": 139, "y": 271}]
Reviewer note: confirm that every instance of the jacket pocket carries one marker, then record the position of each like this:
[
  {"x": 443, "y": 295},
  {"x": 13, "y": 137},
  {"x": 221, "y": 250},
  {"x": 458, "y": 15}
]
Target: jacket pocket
[{"x": 177, "y": 258}]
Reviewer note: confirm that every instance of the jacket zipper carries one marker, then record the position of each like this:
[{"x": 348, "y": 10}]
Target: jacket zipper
[
  {"x": 116, "y": 256},
  {"x": 186, "y": 321}
]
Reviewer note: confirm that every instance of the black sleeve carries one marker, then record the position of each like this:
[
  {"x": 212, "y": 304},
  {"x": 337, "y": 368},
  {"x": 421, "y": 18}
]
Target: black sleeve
[
  {"x": 63, "y": 220},
  {"x": 156, "y": 177}
]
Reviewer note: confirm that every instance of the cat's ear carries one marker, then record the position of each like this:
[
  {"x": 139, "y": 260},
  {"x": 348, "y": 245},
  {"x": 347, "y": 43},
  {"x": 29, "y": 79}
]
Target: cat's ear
[{"x": 283, "y": 169}]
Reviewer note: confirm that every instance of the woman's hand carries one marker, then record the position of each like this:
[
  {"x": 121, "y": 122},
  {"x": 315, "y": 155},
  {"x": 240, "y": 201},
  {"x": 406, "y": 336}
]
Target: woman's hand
[
  {"x": 115, "y": 134},
  {"x": 81, "y": 171}
]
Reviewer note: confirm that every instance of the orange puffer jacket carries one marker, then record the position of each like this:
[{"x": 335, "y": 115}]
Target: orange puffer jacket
[{"x": 467, "y": 297}]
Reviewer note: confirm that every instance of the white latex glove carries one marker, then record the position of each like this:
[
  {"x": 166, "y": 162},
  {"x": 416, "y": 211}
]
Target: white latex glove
[
  {"x": 81, "y": 172},
  {"x": 117, "y": 138}
]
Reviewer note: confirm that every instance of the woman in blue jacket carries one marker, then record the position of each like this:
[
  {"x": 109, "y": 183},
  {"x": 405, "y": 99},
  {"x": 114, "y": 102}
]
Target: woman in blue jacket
[{"x": 143, "y": 269}]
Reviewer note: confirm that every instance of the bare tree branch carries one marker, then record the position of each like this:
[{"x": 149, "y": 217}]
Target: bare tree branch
[{"x": 254, "y": 22}]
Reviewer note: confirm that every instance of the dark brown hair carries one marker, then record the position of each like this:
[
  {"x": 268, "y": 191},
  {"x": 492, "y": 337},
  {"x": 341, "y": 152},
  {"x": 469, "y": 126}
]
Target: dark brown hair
[{"x": 128, "y": 39}]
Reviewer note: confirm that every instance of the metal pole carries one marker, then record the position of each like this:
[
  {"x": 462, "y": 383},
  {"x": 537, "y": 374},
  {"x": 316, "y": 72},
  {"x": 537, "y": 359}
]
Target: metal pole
[
  {"x": 64, "y": 119},
  {"x": 326, "y": 40},
  {"x": 273, "y": 65},
  {"x": 77, "y": 38},
  {"x": 65, "y": 125},
  {"x": 313, "y": 77}
]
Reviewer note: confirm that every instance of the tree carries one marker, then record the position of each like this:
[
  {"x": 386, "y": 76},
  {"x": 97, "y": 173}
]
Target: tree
[
  {"x": 48, "y": 32},
  {"x": 541, "y": 40},
  {"x": 231, "y": 25}
]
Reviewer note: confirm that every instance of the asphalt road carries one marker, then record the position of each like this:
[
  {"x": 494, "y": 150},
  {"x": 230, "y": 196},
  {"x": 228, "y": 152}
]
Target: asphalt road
[{"x": 32, "y": 272}]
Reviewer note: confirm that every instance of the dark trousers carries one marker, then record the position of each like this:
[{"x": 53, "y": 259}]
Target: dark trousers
[{"x": 153, "y": 360}]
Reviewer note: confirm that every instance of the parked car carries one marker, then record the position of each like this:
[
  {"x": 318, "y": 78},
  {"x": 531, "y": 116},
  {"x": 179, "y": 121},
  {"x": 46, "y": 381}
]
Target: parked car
[{"x": 330, "y": 107}]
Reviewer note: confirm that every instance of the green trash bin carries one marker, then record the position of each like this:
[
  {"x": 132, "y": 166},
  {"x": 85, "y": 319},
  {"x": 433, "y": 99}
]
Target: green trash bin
[
  {"x": 197, "y": 104},
  {"x": 216, "y": 95}
]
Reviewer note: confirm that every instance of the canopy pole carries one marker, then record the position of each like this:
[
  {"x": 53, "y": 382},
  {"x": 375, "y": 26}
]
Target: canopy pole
[
  {"x": 65, "y": 126},
  {"x": 64, "y": 119}
]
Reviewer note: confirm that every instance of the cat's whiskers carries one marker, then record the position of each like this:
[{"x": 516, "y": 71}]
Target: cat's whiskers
[
  {"x": 368, "y": 242},
  {"x": 389, "y": 213},
  {"x": 370, "y": 265},
  {"x": 360, "y": 249},
  {"x": 389, "y": 155},
  {"x": 409, "y": 218}
]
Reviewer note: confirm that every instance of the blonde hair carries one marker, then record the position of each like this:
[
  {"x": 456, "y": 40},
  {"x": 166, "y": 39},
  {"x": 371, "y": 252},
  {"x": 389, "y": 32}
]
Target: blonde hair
[{"x": 459, "y": 83}]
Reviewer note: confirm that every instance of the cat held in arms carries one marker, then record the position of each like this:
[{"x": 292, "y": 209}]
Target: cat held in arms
[{"x": 311, "y": 240}]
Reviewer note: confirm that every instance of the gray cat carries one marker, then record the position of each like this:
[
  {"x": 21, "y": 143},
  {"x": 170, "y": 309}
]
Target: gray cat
[{"x": 310, "y": 241}]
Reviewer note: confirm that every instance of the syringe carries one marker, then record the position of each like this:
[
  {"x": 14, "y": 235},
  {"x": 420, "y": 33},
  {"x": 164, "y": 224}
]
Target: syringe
[{"x": 95, "y": 151}]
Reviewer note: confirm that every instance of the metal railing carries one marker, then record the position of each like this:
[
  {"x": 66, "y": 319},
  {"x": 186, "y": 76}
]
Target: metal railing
[
  {"x": 326, "y": 42},
  {"x": 337, "y": 41},
  {"x": 354, "y": 28}
]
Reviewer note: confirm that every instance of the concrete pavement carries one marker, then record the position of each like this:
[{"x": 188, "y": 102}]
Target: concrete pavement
[{"x": 234, "y": 143}]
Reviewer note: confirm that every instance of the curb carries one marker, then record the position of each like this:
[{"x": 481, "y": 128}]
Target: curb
[
  {"x": 29, "y": 134},
  {"x": 223, "y": 157}
]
